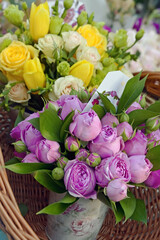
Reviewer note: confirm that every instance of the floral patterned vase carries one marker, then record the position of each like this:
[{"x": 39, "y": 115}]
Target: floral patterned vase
[{"x": 81, "y": 221}]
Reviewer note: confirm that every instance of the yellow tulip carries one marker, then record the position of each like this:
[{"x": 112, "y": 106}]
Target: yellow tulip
[
  {"x": 39, "y": 20},
  {"x": 33, "y": 74},
  {"x": 82, "y": 70}
]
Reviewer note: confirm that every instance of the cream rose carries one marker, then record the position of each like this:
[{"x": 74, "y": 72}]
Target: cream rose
[
  {"x": 64, "y": 85},
  {"x": 18, "y": 93},
  {"x": 13, "y": 58},
  {"x": 90, "y": 54},
  {"x": 72, "y": 39},
  {"x": 8, "y": 36},
  {"x": 48, "y": 44}
]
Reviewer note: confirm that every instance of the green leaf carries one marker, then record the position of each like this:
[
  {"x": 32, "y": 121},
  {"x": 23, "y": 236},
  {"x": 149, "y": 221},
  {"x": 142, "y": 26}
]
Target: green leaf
[
  {"x": 23, "y": 209},
  {"x": 20, "y": 117},
  {"x": 26, "y": 168},
  {"x": 155, "y": 107},
  {"x": 132, "y": 90},
  {"x": 118, "y": 211},
  {"x": 73, "y": 52},
  {"x": 59, "y": 207},
  {"x": 50, "y": 125},
  {"x": 128, "y": 205},
  {"x": 45, "y": 179},
  {"x": 103, "y": 199},
  {"x": 139, "y": 116},
  {"x": 65, "y": 126},
  {"x": 140, "y": 213},
  {"x": 3, "y": 78},
  {"x": 36, "y": 123},
  {"x": 154, "y": 156},
  {"x": 99, "y": 110},
  {"x": 12, "y": 161},
  {"x": 107, "y": 104}
]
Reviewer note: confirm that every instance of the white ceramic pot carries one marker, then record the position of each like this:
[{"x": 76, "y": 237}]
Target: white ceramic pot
[{"x": 81, "y": 221}]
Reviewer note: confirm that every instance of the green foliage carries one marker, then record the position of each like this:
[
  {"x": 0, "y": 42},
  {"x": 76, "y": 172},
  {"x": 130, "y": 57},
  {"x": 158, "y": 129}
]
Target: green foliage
[
  {"x": 27, "y": 168},
  {"x": 107, "y": 104},
  {"x": 154, "y": 156},
  {"x": 99, "y": 110}
]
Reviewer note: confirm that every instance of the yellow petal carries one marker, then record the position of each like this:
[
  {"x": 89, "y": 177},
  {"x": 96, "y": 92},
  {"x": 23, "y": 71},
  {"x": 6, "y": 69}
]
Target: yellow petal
[{"x": 34, "y": 80}]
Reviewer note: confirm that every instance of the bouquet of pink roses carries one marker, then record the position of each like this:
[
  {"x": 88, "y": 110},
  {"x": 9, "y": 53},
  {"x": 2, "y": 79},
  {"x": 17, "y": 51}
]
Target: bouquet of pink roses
[{"x": 99, "y": 153}]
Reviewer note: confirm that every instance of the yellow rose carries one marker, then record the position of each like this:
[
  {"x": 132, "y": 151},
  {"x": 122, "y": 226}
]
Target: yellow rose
[
  {"x": 13, "y": 58},
  {"x": 33, "y": 74},
  {"x": 82, "y": 70},
  {"x": 39, "y": 20},
  {"x": 93, "y": 37}
]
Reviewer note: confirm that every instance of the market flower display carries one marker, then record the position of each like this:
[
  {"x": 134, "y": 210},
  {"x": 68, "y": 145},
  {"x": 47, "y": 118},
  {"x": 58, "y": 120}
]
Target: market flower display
[{"x": 52, "y": 53}]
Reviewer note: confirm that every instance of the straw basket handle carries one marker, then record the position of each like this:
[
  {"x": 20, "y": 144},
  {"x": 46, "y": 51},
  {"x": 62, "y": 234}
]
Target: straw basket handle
[
  {"x": 152, "y": 83},
  {"x": 15, "y": 224}
]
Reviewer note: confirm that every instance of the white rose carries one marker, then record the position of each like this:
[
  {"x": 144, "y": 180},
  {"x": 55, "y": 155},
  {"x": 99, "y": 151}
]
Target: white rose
[
  {"x": 49, "y": 43},
  {"x": 64, "y": 85},
  {"x": 9, "y": 36},
  {"x": 90, "y": 54},
  {"x": 72, "y": 39},
  {"x": 18, "y": 93}
]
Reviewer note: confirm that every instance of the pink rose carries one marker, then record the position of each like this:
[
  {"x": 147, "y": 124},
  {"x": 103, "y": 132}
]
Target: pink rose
[
  {"x": 113, "y": 167},
  {"x": 109, "y": 120},
  {"x": 133, "y": 107},
  {"x": 117, "y": 190},
  {"x": 86, "y": 126},
  {"x": 107, "y": 143},
  {"x": 140, "y": 168},
  {"x": 153, "y": 180},
  {"x": 137, "y": 145},
  {"x": 125, "y": 130}
]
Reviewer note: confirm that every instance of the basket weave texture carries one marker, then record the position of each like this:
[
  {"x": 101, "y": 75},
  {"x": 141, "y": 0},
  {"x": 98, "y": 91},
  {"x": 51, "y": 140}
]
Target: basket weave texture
[{"x": 26, "y": 190}]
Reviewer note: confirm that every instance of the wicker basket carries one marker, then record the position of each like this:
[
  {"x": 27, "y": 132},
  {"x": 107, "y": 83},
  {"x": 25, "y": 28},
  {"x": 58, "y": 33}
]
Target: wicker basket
[{"x": 26, "y": 190}]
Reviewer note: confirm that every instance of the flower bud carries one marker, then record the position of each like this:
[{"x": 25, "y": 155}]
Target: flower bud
[
  {"x": 84, "y": 96},
  {"x": 120, "y": 61},
  {"x": 107, "y": 61},
  {"x": 143, "y": 101},
  {"x": 55, "y": 25},
  {"x": 152, "y": 124},
  {"x": 82, "y": 154},
  {"x": 120, "y": 39},
  {"x": 57, "y": 173},
  {"x": 72, "y": 144},
  {"x": 20, "y": 146},
  {"x": 62, "y": 161},
  {"x": 66, "y": 28},
  {"x": 117, "y": 190},
  {"x": 68, "y": 4},
  {"x": 150, "y": 145},
  {"x": 82, "y": 18},
  {"x": 14, "y": 15},
  {"x": 63, "y": 68},
  {"x": 24, "y": 6},
  {"x": 6, "y": 42},
  {"x": 139, "y": 34},
  {"x": 124, "y": 117},
  {"x": 93, "y": 160}
]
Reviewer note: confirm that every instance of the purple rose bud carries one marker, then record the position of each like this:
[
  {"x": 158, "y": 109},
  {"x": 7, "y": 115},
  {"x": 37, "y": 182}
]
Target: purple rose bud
[
  {"x": 30, "y": 136},
  {"x": 70, "y": 103},
  {"x": 152, "y": 124},
  {"x": 86, "y": 126},
  {"x": 19, "y": 155},
  {"x": 137, "y": 145},
  {"x": 19, "y": 146},
  {"x": 79, "y": 179},
  {"x": 137, "y": 24},
  {"x": 62, "y": 161},
  {"x": 109, "y": 120},
  {"x": 117, "y": 190},
  {"x": 47, "y": 151},
  {"x": 72, "y": 144},
  {"x": 125, "y": 130},
  {"x": 113, "y": 167},
  {"x": 93, "y": 160},
  {"x": 142, "y": 101},
  {"x": 154, "y": 138},
  {"x": 153, "y": 180},
  {"x": 57, "y": 173},
  {"x": 30, "y": 158},
  {"x": 140, "y": 168},
  {"x": 133, "y": 107},
  {"x": 82, "y": 154},
  {"x": 107, "y": 143}
]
